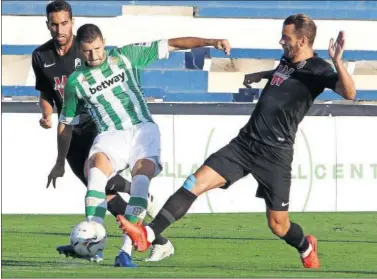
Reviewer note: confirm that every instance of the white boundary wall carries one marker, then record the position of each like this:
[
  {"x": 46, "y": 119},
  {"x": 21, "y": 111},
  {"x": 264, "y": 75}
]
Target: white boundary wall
[{"x": 334, "y": 169}]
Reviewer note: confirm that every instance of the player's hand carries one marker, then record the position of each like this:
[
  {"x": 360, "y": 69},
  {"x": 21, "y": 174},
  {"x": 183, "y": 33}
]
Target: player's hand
[
  {"x": 251, "y": 78},
  {"x": 336, "y": 48},
  {"x": 45, "y": 122},
  {"x": 222, "y": 45},
  {"x": 57, "y": 171}
]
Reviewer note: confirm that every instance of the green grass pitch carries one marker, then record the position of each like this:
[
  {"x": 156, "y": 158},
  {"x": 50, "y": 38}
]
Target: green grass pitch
[{"x": 207, "y": 245}]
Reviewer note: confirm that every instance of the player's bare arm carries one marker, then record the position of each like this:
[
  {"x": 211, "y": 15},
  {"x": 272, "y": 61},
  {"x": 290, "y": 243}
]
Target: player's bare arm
[
  {"x": 67, "y": 119},
  {"x": 46, "y": 110},
  {"x": 256, "y": 77},
  {"x": 194, "y": 42},
  {"x": 64, "y": 140},
  {"x": 345, "y": 85}
]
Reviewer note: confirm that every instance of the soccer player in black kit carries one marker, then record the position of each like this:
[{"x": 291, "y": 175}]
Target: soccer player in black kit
[
  {"x": 264, "y": 146},
  {"x": 53, "y": 62}
]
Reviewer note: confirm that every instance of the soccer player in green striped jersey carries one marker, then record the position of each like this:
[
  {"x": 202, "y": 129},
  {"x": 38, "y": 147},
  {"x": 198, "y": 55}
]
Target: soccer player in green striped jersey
[{"x": 108, "y": 83}]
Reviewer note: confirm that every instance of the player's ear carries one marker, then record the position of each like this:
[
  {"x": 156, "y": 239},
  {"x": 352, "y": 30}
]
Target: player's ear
[{"x": 303, "y": 41}]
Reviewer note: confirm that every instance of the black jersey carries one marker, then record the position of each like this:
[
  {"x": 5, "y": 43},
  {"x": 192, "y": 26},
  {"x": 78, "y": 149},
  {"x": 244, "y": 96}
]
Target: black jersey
[
  {"x": 52, "y": 71},
  {"x": 286, "y": 99}
]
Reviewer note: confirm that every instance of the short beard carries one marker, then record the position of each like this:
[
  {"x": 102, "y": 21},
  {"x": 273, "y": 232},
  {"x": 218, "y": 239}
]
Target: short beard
[
  {"x": 292, "y": 51},
  {"x": 66, "y": 43}
]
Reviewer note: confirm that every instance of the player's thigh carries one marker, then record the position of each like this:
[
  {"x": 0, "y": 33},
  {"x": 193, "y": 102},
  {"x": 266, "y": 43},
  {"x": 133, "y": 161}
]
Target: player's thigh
[
  {"x": 116, "y": 146},
  {"x": 146, "y": 145},
  {"x": 272, "y": 170}
]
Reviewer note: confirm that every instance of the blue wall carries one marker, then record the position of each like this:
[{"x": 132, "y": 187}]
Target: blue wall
[{"x": 364, "y": 10}]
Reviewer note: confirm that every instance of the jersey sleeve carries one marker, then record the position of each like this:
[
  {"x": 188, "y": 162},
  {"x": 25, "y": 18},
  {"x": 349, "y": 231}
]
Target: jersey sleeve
[
  {"x": 41, "y": 84},
  {"x": 142, "y": 54},
  {"x": 328, "y": 78},
  {"x": 70, "y": 114}
]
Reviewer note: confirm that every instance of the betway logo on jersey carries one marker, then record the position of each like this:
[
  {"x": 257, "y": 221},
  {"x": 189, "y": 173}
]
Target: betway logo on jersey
[
  {"x": 281, "y": 74},
  {"x": 109, "y": 83}
]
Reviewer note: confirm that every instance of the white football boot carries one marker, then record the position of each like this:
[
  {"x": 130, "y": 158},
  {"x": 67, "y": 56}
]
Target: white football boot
[{"x": 160, "y": 252}]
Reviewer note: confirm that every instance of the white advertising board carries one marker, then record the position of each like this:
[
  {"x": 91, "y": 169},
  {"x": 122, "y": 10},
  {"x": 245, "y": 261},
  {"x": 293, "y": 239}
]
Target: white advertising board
[{"x": 334, "y": 167}]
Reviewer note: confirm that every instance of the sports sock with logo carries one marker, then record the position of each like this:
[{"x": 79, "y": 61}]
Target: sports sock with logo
[{"x": 137, "y": 205}]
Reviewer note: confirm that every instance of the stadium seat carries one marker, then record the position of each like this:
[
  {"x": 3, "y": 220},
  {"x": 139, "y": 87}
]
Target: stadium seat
[
  {"x": 349, "y": 10},
  {"x": 203, "y": 74}
]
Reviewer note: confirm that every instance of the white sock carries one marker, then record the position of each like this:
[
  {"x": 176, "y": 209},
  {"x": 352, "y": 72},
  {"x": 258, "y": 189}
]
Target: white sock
[
  {"x": 127, "y": 244},
  {"x": 307, "y": 252},
  {"x": 95, "y": 199},
  {"x": 138, "y": 203},
  {"x": 150, "y": 234}
]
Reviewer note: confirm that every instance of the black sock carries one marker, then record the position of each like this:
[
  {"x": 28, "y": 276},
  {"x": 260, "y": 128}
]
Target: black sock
[
  {"x": 117, "y": 184},
  {"x": 160, "y": 240},
  {"x": 296, "y": 238},
  {"x": 117, "y": 205},
  {"x": 174, "y": 209}
]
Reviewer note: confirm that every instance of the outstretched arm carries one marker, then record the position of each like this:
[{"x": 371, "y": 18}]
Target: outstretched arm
[
  {"x": 256, "y": 77},
  {"x": 194, "y": 42}
]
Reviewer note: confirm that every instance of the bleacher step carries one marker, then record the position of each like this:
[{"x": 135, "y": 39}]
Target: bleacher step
[
  {"x": 157, "y": 10},
  {"x": 189, "y": 80},
  {"x": 231, "y": 81}
]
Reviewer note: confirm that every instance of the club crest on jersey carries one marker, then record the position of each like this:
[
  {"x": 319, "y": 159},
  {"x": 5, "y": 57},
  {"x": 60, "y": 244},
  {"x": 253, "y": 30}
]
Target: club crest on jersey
[
  {"x": 77, "y": 63},
  {"x": 114, "y": 60},
  {"x": 108, "y": 83},
  {"x": 59, "y": 84},
  {"x": 281, "y": 74}
]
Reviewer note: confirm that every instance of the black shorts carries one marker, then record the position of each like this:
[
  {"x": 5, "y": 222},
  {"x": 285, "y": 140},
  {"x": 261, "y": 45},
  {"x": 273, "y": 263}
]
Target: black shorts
[
  {"x": 270, "y": 166},
  {"x": 81, "y": 142}
]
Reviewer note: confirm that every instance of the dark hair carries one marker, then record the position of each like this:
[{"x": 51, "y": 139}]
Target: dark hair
[
  {"x": 304, "y": 26},
  {"x": 58, "y": 6},
  {"x": 87, "y": 33}
]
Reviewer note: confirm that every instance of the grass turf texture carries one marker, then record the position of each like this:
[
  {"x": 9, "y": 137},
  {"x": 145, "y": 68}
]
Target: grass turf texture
[{"x": 217, "y": 245}]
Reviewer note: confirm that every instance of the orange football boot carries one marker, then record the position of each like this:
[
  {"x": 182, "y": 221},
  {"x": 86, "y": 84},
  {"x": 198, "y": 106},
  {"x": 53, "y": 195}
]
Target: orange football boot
[
  {"x": 311, "y": 260},
  {"x": 136, "y": 232}
]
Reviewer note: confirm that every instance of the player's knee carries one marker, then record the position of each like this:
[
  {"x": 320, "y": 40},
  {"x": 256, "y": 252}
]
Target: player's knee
[
  {"x": 101, "y": 161},
  {"x": 144, "y": 167}
]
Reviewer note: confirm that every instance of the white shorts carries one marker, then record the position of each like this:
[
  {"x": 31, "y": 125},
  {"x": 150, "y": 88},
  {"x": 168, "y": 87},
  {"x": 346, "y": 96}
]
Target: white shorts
[{"x": 125, "y": 148}]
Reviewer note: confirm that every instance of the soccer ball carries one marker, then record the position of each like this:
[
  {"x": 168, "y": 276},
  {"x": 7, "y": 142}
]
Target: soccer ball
[{"x": 88, "y": 238}]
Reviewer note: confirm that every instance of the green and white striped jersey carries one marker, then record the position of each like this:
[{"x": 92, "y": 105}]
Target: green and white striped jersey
[{"x": 112, "y": 92}]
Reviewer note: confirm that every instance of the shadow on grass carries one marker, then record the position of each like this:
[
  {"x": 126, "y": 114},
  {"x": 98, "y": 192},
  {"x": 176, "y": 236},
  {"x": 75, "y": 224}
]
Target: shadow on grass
[
  {"x": 37, "y": 264},
  {"x": 267, "y": 239},
  {"x": 202, "y": 237}
]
